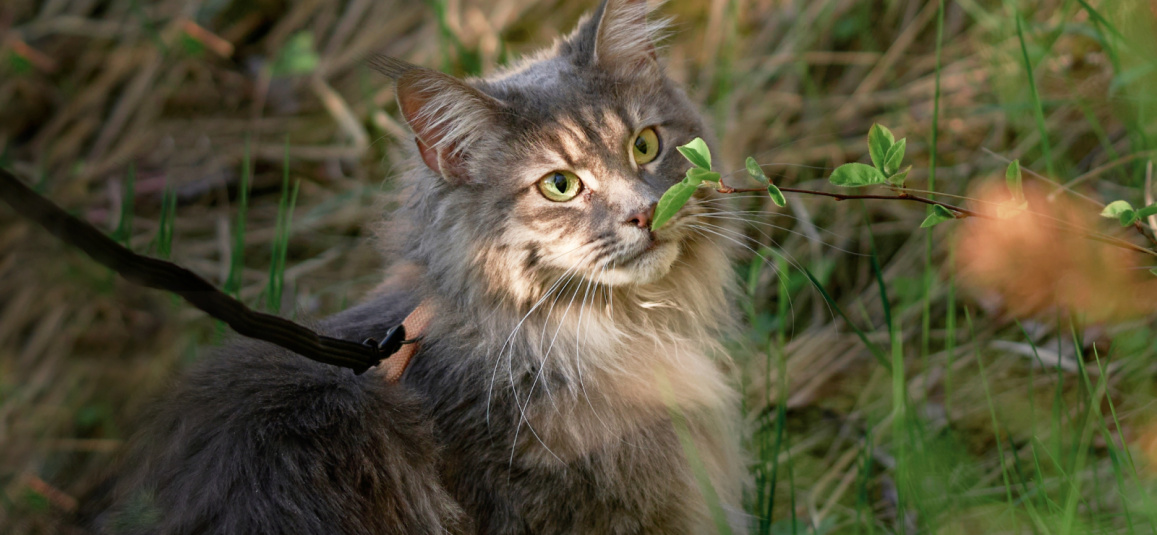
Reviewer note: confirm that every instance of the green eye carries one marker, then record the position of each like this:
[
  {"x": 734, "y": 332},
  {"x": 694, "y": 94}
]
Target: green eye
[
  {"x": 560, "y": 186},
  {"x": 646, "y": 146}
]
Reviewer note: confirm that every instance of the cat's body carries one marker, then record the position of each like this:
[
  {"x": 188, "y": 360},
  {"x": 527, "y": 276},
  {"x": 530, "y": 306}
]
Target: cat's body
[{"x": 571, "y": 367}]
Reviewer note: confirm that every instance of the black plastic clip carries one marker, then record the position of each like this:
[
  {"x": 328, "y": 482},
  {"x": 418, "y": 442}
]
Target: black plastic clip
[
  {"x": 389, "y": 345},
  {"x": 394, "y": 340}
]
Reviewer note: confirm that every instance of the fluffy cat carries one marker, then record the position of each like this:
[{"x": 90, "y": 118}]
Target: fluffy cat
[{"x": 570, "y": 377}]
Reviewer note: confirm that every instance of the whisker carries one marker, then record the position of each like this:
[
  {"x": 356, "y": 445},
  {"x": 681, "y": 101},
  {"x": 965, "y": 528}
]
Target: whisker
[
  {"x": 514, "y": 445},
  {"x": 791, "y": 260},
  {"x": 572, "y": 271},
  {"x": 723, "y": 215},
  {"x": 579, "y": 369},
  {"x": 510, "y": 338}
]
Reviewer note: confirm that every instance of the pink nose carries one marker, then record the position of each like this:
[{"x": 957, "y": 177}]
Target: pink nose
[{"x": 642, "y": 218}]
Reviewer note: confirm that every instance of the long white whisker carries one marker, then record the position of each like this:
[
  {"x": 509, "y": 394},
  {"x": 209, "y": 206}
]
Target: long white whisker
[
  {"x": 750, "y": 216},
  {"x": 521, "y": 407},
  {"x": 510, "y": 338},
  {"x": 790, "y": 260},
  {"x": 542, "y": 364},
  {"x": 719, "y": 215},
  {"x": 579, "y": 369}
]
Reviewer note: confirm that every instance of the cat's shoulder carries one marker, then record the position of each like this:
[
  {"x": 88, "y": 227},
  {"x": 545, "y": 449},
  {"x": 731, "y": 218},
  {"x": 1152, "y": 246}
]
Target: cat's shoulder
[
  {"x": 264, "y": 387},
  {"x": 257, "y": 439}
]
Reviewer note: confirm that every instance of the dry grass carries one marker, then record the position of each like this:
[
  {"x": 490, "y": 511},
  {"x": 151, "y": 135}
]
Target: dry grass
[{"x": 176, "y": 91}]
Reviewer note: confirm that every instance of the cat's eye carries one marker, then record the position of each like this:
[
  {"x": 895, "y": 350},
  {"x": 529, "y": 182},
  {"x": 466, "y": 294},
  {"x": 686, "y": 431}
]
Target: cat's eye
[
  {"x": 560, "y": 186},
  {"x": 646, "y": 146}
]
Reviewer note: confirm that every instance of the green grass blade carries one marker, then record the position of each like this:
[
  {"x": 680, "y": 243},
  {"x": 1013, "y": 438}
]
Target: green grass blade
[
  {"x": 780, "y": 426},
  {"x": 885, "y": 303},
  {"x": 233, "y": 282},
  {"x": 900, "y": 436},
  {"x": 864, "y": 515},
  {"x": 1116, "y": 455},
  {"x": 1038, "y": 108},
  {"x": 873, "y": 348},
  {"x": 929, "y": 269},
  {"x": 1038, "y": 472},
  {"x": 991, "y": 412},
  {"x": 281, "y": 241}
]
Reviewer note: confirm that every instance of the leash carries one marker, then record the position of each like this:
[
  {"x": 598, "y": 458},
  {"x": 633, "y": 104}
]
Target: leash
[{"x": 162, "y": 275}]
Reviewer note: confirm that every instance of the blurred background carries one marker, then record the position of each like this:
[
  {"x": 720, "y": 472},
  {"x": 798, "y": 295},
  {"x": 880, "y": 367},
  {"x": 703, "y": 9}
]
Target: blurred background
[{"x": 967, "y": 378}]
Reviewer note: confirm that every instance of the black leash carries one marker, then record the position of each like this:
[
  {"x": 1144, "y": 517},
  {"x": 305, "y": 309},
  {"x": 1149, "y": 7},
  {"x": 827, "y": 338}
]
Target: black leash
[{"x": 162, "y": 275}]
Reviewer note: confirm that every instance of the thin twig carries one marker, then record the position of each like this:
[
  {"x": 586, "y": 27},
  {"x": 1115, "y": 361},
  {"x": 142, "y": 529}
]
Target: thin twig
[
  {"x": 959, "y": 211},
  {"x": 1066, "y": 187},
  {"x": 843, "y": 197}
]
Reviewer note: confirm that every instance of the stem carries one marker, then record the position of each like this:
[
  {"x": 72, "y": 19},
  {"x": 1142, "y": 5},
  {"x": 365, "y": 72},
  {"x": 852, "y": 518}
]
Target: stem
[
  {"x": 902, "y": 196},
  {"x": 1141, "y": 230},
  {"x": 960, "y": 212}
]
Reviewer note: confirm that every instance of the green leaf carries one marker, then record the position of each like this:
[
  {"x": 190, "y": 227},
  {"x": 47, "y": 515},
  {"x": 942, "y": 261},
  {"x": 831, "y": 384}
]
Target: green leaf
[
  {"x": 756, "y": 171},
  {"x": 939, "y": 215},
  {"x": 1114, "y": 209},
  {"x": 698, "y": 175},
  {"x": 697, "y": 153},
  {"x": 880, "y": 140},
  {"x": 297, "y": 56},
  {"x": 672, "y": 200},
  {"x": 1147, "y": 211},
  {"x": 1012, "y": 178},
  {"x": 895, "y": 157},
  {"x": 1128, "y": 217},
  {"x": 776, "y": 195},
  {"x": 899, "y": 178},
  {"x": 191, "y": 46},
  {"x": 1153, "y": 271},
  {"x": 19, "y": 64},
  {"x": 854, "y": 175}
]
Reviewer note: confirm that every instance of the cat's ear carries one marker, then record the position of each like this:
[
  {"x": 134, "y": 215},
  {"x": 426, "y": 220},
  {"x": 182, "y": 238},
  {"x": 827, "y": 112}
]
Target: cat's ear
[
  {"x": 447, "y": 116},
  {"x": 619, "y": 36}
]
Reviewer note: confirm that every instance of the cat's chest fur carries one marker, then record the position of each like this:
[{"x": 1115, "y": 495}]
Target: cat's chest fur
[{"x": 548, "y": 411}]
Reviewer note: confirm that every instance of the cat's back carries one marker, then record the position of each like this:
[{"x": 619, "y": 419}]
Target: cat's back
[{"x": 259, "y": 440}]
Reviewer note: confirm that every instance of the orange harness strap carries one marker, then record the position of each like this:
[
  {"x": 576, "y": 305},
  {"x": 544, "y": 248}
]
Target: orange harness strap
[{"x": 415, "y": 326}]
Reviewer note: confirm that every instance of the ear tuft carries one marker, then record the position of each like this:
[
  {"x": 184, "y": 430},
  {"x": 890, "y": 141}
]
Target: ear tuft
[
  {"x": 448, "y": 118},
  {"x": 618, "y": 36},
  {"x": 390, "y": 66}
]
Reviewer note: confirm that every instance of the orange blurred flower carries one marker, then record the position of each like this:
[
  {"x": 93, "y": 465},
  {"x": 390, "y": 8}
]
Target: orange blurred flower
[
  {"x": 1044, "y": 260},
  {"x": 1147, "y": 444}
]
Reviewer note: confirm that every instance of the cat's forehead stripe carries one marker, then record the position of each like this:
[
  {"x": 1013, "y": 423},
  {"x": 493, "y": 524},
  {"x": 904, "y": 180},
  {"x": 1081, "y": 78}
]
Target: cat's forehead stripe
[{"x": 588, "y": 139}]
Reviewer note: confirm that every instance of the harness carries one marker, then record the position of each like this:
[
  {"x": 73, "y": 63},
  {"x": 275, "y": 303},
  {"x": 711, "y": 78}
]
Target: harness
[{"x": 399, "y": 348}]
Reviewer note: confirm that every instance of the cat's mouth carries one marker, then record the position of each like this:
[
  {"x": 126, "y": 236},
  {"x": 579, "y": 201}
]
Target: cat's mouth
[
  {"x": 630, "y": 259},
  {"x": 650, "y": 245},
  {"x": 646, "y": 261}
]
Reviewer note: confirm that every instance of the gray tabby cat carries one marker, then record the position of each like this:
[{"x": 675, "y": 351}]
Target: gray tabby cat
[{"x": 568, "y": 338}]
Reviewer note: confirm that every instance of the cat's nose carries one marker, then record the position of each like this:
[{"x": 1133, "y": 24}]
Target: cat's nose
[{"x": 642, "y": 218}]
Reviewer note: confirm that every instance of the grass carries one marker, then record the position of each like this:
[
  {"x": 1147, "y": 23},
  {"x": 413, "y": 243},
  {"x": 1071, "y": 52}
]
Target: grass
[
  {"x": 285, "y": 206},
  {"x": 882, "y": 395}
]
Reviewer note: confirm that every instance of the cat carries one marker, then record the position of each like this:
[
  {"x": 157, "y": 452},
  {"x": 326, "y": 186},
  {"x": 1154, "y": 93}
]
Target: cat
[{"x": 570, "y": 380}]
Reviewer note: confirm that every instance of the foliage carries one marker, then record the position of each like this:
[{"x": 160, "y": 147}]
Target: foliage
[{"x": 1038, "y": 424}]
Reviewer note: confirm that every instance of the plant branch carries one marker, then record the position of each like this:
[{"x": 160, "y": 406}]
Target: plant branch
[
  {"x": 961, "y": 212},
  {"x": 902, "y": 196}
]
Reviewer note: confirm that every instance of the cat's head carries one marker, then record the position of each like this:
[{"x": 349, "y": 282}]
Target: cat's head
[{"x": 550, "y": 170}]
